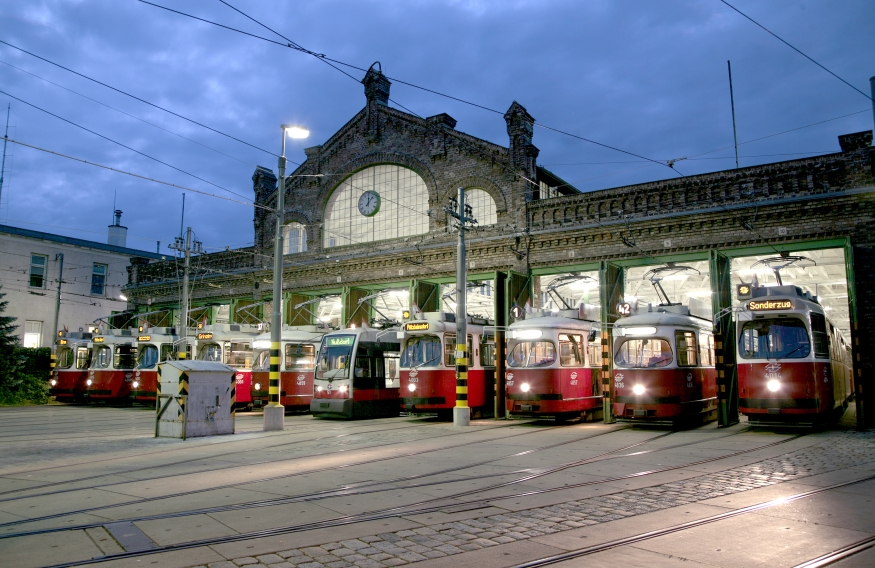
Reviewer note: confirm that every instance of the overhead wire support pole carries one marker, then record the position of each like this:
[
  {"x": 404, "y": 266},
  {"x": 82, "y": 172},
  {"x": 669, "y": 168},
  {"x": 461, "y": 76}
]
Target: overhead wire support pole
[
  {"x": 732, "y": 102},
  {"x": 462, "y": 213},
  {"x": 5, "y": 138},
  {"x": 185, "y": 245},
  {"x": 60, "y": 258}
]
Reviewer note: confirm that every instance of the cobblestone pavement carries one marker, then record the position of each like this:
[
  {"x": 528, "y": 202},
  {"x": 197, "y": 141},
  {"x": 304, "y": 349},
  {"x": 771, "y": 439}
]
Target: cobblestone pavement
[{"x": 845, "y": 450}]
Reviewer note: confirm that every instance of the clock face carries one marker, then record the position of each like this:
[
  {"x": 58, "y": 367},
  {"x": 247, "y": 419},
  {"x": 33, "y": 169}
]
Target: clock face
[{"x": 369, "y": 203}]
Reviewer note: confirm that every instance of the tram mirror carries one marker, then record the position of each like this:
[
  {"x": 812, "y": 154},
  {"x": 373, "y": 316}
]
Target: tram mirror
[
  {"x": 593, "y": 335},
  {"x": 323, "y": 365}
]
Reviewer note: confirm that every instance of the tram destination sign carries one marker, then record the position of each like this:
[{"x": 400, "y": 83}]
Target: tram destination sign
[
  {"x": 144, "y": 338},
  {"x": 769, "y": 305},
  {"x": 62, "y": 342},
  {"x": 205, "y": 336},
  {"x": 98, "y": 340},
  {"x": 420, "y": 326},
  {"x": 340, "y": 341}
]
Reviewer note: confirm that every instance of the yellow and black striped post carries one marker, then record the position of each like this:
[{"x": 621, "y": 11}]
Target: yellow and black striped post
[
  {"x": 461, "y": 375},
  {"x": 52, "y": 364},
  {"x": 274, "y": 387}
]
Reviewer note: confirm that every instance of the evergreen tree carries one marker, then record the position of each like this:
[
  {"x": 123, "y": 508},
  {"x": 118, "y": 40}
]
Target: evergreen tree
[{"x": 10, "y": 359}]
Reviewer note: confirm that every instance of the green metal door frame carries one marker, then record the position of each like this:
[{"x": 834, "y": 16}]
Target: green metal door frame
[
  {"x": 724, "y": 339},
  {"x": 611, "y": 289},
  {"x": 856, "y": 351}
]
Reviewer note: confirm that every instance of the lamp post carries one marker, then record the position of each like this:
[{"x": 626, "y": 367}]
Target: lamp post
[{"x": 274, "y": 413}]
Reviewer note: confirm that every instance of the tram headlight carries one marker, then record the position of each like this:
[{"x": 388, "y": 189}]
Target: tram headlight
[
  {"x": 88, "y": 382},
  {"x": 53, "y": 382},
  {"x": 411, "y": 387},
  {"x": 318, "y": 389},
  {"x": 773, "y": 385},
  {"x": 343, "y": 388},
  {"x": 135, "y": 384},
  {"x": 525, "y": 387},
  {"x": 638, "y": 389},
  {"x": 258, "y": 386}
]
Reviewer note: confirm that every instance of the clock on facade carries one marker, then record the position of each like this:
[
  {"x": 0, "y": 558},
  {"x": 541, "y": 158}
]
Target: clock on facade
[{"x": 369, "y": 203}]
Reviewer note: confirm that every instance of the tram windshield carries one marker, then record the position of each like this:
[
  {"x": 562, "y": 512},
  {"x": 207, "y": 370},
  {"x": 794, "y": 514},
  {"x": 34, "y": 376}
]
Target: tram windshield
[
  {"x": 83, "y": 357},
  {"x": 785, "y": 338},
  {"x": 65, "y": 358},
  {"x": 532, "y": 354},
  {"x": 643, "y": 353},
  {"x": 571, "y": 353},
  {"x": 422, "y": 351},
  {"x": 300, "y": 356},
  {"x": 148, "y": 357},
  {"x": 210, "y": 352},
  {"x": 125, "y": 357},
  {"x": 103, "y": 357},
  {"x": 334, "y": 357},
  {"x": 261, "y": 361}
]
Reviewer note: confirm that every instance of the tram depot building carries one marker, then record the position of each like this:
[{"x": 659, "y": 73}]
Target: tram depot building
[{"x": 365, "y": 214}]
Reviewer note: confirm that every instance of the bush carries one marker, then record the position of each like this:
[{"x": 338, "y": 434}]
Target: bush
[{"x": 30, "y": 385}]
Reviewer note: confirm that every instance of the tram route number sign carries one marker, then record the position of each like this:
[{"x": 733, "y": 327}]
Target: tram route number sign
[
  {"x": 624, "y": 309},
  {"x": 516, "y": 312},
  {"x": 340, "y": 341},
  {"x": 769, "y": 305}
]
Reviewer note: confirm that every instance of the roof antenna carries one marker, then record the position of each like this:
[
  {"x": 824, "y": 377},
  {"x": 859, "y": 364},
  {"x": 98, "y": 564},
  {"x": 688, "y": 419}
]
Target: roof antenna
[
  {"x": 182, "y": 220},
  {"x": 114, "y": 195}
]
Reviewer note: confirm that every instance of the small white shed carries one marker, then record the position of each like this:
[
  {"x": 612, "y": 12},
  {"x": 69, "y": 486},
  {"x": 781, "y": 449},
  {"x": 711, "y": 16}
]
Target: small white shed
[{"x": 195, "y": 398}]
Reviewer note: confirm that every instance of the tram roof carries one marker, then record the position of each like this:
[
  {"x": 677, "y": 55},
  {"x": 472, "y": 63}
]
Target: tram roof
[
  {"x": 554, "y": 322},
  {"x": 663, "y": 319}
]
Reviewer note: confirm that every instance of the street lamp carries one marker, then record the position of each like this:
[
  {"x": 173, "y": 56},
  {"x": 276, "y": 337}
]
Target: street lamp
[{"x": 274, "y": 413}]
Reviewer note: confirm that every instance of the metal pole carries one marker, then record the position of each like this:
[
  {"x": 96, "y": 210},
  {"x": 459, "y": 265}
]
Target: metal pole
[
  {"x": 59, "y": 257},
  {"x": 183, "y": 316},
  {"x": 3, "y": 165},
  {"x": 461, "y": 412},
  {"x": 274, "y": 413},
  {"x": 732, "y": 101},
  {"x": 871, "y": 87}
]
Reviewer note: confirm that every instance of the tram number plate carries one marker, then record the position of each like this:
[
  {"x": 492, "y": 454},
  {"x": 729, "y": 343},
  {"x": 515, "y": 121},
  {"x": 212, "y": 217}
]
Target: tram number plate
[{"x": 414, "y": 379}]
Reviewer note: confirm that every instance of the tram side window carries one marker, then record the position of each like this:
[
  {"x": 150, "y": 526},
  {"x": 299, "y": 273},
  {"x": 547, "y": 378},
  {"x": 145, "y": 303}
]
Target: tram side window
[
  {"x": 532, "y": 354},
  {"x": 487, "y": 353},
  {"x": 422, "y": 351},
  {"x": 774, "y": 339},
  {"x": 570, "y": 350},
  {"x": 210, "y": 352},
  {"x": 240, "y": 354},
  {"x": 685, "y": 341},
  {"x": 166, "y": 352},
  {"x": 125, "y": 357},
  {"x": 818, "y": 333},
  {"x": 643, "y": 353},
  {"x": 450, "y": 350},
  {"x": 300, "y": 357},
  {"x": 148, "y": 357},
  {"x": 262, "y": 361},
  {"x": 83, "y": 357},
  {"x": 706, "y": 350},
  {"x": 103, "y": 357},
  {"x": 65, "y": 358},
  {"x": 393, "y": 377},
  {"x": 595, "y": 352}
]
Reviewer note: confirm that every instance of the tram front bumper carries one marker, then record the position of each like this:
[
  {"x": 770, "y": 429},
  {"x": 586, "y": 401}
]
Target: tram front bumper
[{"x": 335, "y": 406}]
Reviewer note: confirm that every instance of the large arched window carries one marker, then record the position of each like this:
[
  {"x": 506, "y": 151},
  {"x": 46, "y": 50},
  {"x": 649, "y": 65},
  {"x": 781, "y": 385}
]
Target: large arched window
[
  {"x": 482, "y": 206},
  {"x": 294, "y": 238},
  {"x": 374, "y": 204}
]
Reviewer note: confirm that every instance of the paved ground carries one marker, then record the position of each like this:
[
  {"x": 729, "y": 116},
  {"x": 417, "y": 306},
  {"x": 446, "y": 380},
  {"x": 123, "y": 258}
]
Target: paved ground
[{"x": 405, "y": 490}]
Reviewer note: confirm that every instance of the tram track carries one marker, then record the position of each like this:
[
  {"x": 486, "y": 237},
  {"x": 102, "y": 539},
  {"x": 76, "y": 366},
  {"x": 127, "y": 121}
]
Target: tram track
[
  {"x": 347, "y": 490},
  {"x": 333, "y": 492},
  {"x": 831, "y": 557},
  {"x": 401, "y": 511},
  {"x": 179, "y": 462},
  {"x": 839, "y": 554}
]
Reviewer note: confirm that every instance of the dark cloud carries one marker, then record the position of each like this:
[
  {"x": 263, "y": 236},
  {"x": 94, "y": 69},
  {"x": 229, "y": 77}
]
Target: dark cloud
[{"x": 647, "y": 77}]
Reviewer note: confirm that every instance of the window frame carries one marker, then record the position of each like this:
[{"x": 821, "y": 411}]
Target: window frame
[
  {"x": 44, "y": 267},
  {"x": 103, "y": 275}
]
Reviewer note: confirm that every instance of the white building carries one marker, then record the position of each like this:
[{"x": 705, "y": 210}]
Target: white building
[{"x": 93, "y": 275}]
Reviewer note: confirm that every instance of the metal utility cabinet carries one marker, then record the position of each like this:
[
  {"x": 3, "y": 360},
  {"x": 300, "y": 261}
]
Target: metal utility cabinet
[{"x": 195, "y": 398}]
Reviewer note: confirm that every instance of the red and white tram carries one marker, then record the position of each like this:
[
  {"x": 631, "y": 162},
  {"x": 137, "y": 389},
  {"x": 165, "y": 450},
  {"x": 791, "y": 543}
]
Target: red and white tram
[
  {"x": 297, "y": 366},
  {"x": 154, "y": 345},
  {"x": 111, "y": 373},
  {"x": 71, "y": 369},
  {"x": 230, "y": 344},
  {"x": 794, "y": 366},
  {"x": 553, "y": 362},
  {"x": 428, "y": 364},
  {"x": 357, "y": 374},
  {"x": 664, "y": 367}
]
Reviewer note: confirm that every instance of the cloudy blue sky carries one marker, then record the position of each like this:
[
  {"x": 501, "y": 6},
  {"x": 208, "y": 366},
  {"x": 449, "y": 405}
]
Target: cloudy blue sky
[{"x": 646, "y": 76}]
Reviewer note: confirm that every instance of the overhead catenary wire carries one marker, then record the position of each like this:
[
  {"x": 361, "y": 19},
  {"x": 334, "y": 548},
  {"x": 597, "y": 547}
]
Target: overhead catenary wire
[
  {"x": 773, "y": 34},
  {"x": 141, "y": 100}
]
